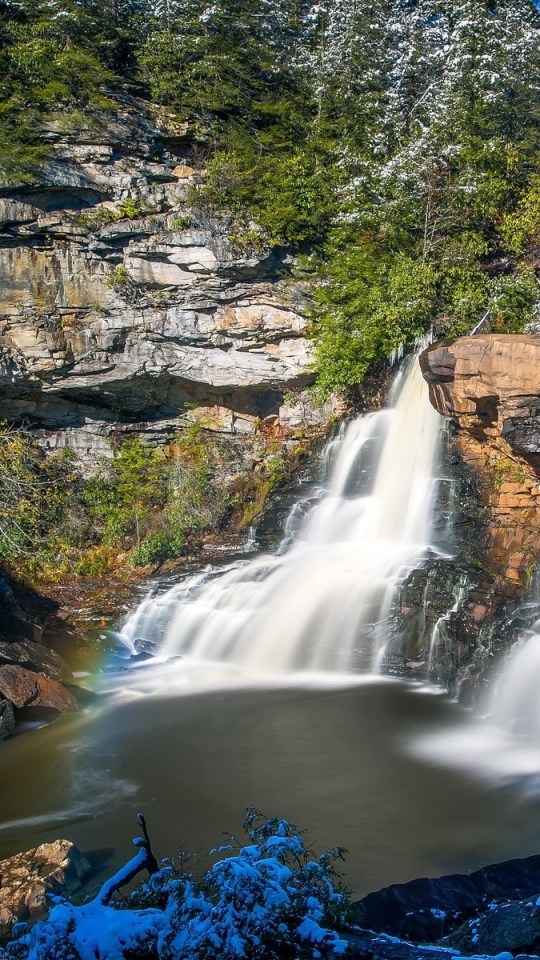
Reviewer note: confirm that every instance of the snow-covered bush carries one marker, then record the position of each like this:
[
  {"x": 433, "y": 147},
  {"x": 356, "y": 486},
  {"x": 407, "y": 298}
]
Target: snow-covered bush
[{"x": 271, "y": 899}]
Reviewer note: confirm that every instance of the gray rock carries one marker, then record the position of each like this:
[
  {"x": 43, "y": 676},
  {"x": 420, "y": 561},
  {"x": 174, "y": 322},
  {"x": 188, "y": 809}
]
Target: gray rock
[{"x": 7, "y": 719}]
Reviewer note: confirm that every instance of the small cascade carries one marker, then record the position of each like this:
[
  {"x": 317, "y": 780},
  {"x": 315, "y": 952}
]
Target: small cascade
[
  {"x": 321, "y": 602},
  {"x": 502, "y": 744},
  {"x": 438, "y": 634}
]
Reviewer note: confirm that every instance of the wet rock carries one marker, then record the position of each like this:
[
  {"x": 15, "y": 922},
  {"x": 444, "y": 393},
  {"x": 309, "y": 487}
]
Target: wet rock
[
  {"x": 512, "y": 927},
  {"x": 25, "y": 880},
  {"x": 24, "y": 688},
  {"x": 7, "y": 719},
  {"x": 35, "y": 657},
  {"x": 424, "y": 910},
  {"x": 147, "y": 647}
]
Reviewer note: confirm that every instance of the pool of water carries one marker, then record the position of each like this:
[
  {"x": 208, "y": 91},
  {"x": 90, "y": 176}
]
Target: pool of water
[{"x": 338, "y": 760}]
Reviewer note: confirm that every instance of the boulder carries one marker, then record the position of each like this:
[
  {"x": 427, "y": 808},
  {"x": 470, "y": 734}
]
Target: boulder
[
  {"x": 25, "y": 880},
  {"x": 24, "y": 688},
  {"x": 512, "y": 927},
  {"x": 35, "y": 657}
]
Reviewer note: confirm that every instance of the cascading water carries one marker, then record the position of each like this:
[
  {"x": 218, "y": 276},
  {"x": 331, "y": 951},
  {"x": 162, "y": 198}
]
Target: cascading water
[
  {"x": 504, "y": 742},
  {"x": 320, "y": 603},
  {"x": 516, "y": 699}
]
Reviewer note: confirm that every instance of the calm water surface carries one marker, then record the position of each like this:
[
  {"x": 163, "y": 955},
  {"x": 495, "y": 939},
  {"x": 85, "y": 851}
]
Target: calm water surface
[{"x": 335, "y": 761}]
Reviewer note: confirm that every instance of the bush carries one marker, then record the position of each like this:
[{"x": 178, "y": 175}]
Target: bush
[
  {"x": 158, "y": 547},
  {"x": 271, "y": 900}
]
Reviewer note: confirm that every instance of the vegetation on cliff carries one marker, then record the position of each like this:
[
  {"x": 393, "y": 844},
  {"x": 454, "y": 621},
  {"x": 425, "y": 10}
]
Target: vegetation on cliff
[{"x": 143, "y": 506}]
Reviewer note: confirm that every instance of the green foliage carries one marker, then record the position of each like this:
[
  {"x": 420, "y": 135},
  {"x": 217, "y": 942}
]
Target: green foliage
[
  {"x": 32, "y": 490},
  {"x": 521, "y": 228},
  {"x": 508, "y": 471},
  {"x": 118, "y": 279},
  {"x": 182, "y": 223},
  {"x": 122, "y": 498},
  {"x": 129, "y": 209},
  {"x": 146, "y": 503},
  {"x": 49, "y": 66}
]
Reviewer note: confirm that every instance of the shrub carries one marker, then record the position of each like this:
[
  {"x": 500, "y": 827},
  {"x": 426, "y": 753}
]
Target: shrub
[{"x": 271, "y": 900}]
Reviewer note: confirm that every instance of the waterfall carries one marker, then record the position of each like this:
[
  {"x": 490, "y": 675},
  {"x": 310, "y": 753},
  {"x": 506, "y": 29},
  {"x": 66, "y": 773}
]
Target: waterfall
[
  {"x": 321, "y": 602},
  {"x": 516, "y": 699}
]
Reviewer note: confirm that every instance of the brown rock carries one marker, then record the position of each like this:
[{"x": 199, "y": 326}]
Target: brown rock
[
  {"x": 24, "y": 688},
  {"x": 491, "y": 385},
  {"x": 36, "y": 657},
  {"x": 25, "y": 879}
]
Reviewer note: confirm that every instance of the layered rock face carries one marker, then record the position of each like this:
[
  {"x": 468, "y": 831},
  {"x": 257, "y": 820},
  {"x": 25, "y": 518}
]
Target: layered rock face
[
  {"x": 490, "y": 385},
  {"x": 122, "y": 311}
]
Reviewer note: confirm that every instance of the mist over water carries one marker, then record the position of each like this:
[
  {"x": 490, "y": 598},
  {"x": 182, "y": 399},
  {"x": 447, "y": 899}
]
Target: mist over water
[{"x": 501, "y": 743}]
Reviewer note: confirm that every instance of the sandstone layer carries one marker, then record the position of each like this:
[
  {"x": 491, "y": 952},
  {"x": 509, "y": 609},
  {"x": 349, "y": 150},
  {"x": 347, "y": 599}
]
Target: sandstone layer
[{"x": 490, "y": 386}]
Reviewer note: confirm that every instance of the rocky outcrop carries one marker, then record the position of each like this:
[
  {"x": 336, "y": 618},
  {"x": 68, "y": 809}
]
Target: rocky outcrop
[
  {"x": 423, "y": 910},
  {"x": 490, "y": 386},
  {"x": 35, "y": 657},
  {"x": 124, "y": 308},
  {"x": 25, "y": 880}
]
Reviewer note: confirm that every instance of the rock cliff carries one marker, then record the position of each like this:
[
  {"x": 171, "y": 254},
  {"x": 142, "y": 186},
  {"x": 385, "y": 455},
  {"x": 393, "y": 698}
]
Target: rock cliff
[
  {"x": 124, "y": 309},
  {"x": 490, "y": 385}
]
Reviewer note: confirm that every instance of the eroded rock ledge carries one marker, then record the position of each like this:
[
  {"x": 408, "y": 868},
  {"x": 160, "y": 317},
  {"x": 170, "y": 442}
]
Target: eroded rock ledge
[{"x": 490, "y": 386}]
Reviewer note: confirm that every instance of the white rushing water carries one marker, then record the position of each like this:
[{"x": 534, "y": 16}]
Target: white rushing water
[
  {"x": 502, "y": 741},
  {"x": 320, "y": 603}
]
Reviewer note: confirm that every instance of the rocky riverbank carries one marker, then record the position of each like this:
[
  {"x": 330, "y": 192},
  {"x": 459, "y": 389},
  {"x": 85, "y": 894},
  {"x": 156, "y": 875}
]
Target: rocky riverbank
[
  {"x": 493, "y": 912},
  {"x": 35, "y": 681}
]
